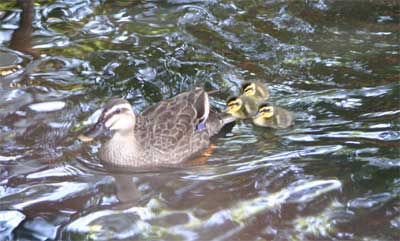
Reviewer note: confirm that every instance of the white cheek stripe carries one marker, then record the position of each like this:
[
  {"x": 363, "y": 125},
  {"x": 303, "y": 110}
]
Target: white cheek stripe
[{"x": 111, "y": 121}]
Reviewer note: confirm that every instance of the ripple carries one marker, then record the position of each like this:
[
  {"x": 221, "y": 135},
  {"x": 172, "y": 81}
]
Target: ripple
[
  {"x": 382, "y": 162},
  {"x": 308, "y": 191},
  {"x": 268, "y": 161},
  {"x": 9, "y": 158},
  {"x": 100, "y": 25},
  {"x": 41, "y": 229},
  {"x": 371, "y": 201},
  {"x": 103, "y": 225},
  {"x": 51, "y": 42},
  {"x": 48, "y": 192},
  {"x": 106, "y": 224},
  {"x": 380, "y": 114},
  {"x": 57, "y": 171},
  {"x": 336, "y": 70},
  {"x": 9, "y": 220},
  {"x": 324, "y": 224},
  {"x": 372, "y": 135},
  {"x": 47, "y": 106},
  {"x": 291, "y": 23},
  {"x": 386, "y": 136}
]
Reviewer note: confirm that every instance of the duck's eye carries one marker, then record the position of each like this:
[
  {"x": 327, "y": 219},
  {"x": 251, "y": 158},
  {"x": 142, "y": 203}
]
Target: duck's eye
[{"x": 118, "y": 111}]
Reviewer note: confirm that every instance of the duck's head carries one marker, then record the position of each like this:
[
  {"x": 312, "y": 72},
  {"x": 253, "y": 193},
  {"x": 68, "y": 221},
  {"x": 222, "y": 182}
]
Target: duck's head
[
  {"x": 234, "y": 105},
  {"x": 255, "y": 89},
  {"x": 117, "y": 116},
  {"x": 265, "y": 111}
]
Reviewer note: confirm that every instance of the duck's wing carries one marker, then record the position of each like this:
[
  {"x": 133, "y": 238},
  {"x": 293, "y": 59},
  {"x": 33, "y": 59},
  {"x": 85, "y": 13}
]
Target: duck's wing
[
  {"x": 198, "y": 98},
  {"x": 172, "y": 126}
]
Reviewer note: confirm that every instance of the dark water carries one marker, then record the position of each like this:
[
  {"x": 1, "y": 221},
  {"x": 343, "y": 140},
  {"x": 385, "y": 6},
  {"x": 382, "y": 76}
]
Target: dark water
[{"x": 333, "y": 176}]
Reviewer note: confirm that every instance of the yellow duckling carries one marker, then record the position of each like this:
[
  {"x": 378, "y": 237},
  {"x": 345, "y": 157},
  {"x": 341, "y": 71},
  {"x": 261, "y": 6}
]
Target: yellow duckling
[
  {"x": 242, "y": 107},
  {"x": 256, "y": 90},
  {"x": 273, "y": 117}
]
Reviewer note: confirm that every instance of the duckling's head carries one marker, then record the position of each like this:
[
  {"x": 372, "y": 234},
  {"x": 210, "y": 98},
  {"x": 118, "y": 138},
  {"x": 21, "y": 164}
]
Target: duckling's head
[
  {"x": 249, "y": 88},
  {"x": 265, "y": 111},
  {"x": 117, "y": 115},
  {"x": 234, "y": 105},
  {"x": 255, "y": 89}
]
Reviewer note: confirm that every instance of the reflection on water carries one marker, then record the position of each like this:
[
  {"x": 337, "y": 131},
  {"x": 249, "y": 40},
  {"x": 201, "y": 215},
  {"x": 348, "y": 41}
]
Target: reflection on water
[{"x": 333, "y": 176}]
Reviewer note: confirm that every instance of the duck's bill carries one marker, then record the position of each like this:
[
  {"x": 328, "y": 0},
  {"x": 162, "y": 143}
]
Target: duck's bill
[
  {"x": 93, "y": 132},
  {"x": 84, "y": 138}
]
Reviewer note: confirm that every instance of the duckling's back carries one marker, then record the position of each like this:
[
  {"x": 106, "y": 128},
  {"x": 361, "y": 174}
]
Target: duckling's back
[{"x": 283, "y": 118}]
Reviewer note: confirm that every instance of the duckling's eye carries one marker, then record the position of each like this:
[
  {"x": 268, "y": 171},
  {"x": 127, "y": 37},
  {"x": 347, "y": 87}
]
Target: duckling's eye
[
  {"x": 231, "y": 104},
  {"x": 266, "y": 110},
  {"x": 248, "y": 90},
  {"x": 118, "y": 111}
]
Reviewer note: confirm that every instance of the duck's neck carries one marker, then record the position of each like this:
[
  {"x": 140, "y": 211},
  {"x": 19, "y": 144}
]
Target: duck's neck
[{"x": 122, "y": 149}]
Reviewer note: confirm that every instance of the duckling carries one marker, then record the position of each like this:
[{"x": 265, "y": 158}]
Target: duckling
[
  {"x": 256, "y": 90},
  {"x": 242, "y": 107},
  {"x": 246, "y": 105},
  {"x": 273, "y": 117},
  {"x": 167, "y": 133}
]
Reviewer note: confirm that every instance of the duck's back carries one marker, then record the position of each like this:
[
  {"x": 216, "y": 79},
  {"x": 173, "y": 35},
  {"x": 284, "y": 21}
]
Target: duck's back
[{"x": 168, "y": 131}]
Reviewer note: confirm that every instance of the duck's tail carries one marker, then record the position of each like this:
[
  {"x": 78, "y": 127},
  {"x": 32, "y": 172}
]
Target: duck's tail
[
  {"x": 216, "y": 121},
  {"x": 226, "y": 118},
  {"x": 218, "y": 91}
]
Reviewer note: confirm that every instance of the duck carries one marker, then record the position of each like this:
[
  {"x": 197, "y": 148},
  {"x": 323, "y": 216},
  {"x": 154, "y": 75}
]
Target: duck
[
  {"x": 167, "y": 133},
  {"x": 256, "y": 90},
  {"x": 273, "y": 117},
  {"x": 241, "y": 107}
]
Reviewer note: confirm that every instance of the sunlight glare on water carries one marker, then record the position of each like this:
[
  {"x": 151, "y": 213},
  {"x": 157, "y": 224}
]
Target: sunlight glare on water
[{"x": 334, "y": 175}]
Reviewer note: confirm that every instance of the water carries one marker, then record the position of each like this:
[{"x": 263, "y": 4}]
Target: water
[{"x": 333, "y": 176}]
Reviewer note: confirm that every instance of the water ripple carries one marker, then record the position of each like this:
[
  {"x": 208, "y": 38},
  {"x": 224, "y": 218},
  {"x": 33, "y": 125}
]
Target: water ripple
[
  {"x": 100, "y": 25},
  {"x": 9, "y": 221},
  {"x": 47, "y": 106},
  {"x": 272, "y": 160},
  {"x": 372, "y": 201},
  {"x": 331, "y": 176}
]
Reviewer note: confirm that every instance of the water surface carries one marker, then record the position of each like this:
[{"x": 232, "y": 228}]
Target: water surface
[{"x": 333, "y": 176}]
